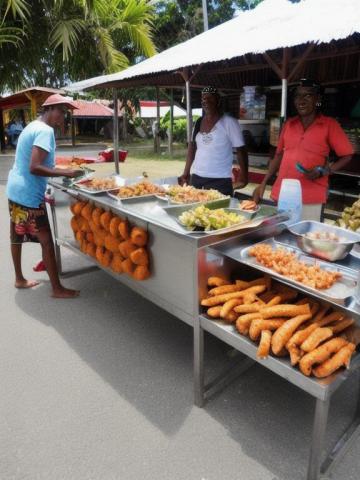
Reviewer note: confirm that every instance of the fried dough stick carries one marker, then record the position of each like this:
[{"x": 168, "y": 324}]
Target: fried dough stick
[
  {"x": 264, "y": 345},
  {"x": 321, "y": 354},
  {"x": 319, "y": 335},
  {"x": 341, "y": 359},
  {"x": 285, "y": 332},
  {"x": 258, "y": 325},
  {"x": 217, "y": 281},
  {"x": 286, "y": 310},
  {"x": 218, "y": 299}
]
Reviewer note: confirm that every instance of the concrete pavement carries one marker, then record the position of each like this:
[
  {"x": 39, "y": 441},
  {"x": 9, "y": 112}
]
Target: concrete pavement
[{"x": 100, "y": 388}]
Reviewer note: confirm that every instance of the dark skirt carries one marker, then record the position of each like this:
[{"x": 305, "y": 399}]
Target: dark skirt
[
  {"x": 26, "y": 222},
  {"x": 223, "y": 185}
]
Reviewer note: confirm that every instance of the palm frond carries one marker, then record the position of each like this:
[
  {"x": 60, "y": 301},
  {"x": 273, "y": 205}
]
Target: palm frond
[
  {"x": 112, "y": 59},
  {"x": 66, "y": 33},
  {"x": 18, "y": 8},
  {"x": 10, "y": 35}
]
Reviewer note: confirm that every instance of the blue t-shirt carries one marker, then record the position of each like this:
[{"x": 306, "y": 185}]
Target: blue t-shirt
[{"x": 23, "y": 187}]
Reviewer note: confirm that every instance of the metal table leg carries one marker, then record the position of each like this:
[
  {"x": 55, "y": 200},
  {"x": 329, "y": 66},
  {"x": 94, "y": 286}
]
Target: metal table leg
[
  {"x": 198, "y": 363},
  {"x": 344, "y": 442},
  {"x": 319, "y": 430}
]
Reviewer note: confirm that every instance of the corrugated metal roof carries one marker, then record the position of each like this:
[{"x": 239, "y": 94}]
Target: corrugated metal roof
[
  {"x": 274, "y": 24},
  {"x": 91, "y": 109}
]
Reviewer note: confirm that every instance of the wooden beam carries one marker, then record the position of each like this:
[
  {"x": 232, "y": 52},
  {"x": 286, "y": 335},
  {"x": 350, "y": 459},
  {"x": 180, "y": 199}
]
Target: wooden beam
[
  {"x": 195, "y": 72},
  {"x": 286, "y": 62},
  {"x": 301, "y": 61},
  {"x": 273, "y": 65}
]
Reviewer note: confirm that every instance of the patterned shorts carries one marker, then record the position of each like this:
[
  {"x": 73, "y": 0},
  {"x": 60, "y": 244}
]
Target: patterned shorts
[{"x": 26, "y": 222}]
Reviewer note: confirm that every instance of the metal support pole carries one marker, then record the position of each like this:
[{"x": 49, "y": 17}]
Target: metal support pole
[
  {"x": 198, "y": 363},
  {"x": 171, "y": 129},
  {"x": 116, "y": 132},
  {"x": 2, "y": 132},
  {"x": 73, "y": 130},
  {"x": 157, "y": 125},
  {"x": 188, "y": 111},
  {"x": 319, "y": 430},
  {"x": 284, "y": 85},
  {"x": 205, "y": 15}
]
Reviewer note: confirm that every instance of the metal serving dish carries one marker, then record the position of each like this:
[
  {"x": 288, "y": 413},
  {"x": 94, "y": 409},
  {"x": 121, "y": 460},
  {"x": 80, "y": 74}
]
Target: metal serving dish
[
  {"x": 343, "y": 288},
  {"x": 330, "y": 250}
]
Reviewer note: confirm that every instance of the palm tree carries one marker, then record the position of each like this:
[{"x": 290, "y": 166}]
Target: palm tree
[{"x": 112, "y": 28}]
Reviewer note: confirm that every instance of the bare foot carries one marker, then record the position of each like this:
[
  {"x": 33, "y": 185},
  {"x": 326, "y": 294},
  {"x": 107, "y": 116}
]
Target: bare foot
[
  {"x": 26, "y": 283},
  {"x": 63, "y": 292}
]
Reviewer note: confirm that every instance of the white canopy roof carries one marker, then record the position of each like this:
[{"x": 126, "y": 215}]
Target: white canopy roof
[{"x": 272, "y": 25}]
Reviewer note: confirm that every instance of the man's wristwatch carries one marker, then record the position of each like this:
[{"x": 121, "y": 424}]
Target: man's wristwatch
[{"x": 324, "y": 171}]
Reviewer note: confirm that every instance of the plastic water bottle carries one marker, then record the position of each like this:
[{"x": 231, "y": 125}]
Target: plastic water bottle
[{"x": 290, "y": 199}]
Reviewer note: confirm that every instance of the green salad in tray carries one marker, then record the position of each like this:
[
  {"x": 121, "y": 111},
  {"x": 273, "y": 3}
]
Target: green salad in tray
[{"x": 203, "y": 218}]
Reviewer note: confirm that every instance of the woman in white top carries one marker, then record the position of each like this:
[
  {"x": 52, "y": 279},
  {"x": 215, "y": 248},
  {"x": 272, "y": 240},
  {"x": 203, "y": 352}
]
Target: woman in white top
[{"x": 210, "y": 153}]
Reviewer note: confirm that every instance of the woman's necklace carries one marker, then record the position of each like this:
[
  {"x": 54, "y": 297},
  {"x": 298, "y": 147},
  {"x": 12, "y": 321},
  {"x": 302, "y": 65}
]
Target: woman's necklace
[{"x": 210, "y": 126}]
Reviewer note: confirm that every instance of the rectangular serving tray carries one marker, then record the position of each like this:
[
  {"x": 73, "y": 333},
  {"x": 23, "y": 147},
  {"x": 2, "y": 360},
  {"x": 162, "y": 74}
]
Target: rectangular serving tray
[{"x": 344, "y": 288}]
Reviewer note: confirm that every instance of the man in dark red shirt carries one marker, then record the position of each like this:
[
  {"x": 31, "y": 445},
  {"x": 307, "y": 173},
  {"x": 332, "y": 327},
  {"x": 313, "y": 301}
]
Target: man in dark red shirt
[{"x": 302, "y": 152}]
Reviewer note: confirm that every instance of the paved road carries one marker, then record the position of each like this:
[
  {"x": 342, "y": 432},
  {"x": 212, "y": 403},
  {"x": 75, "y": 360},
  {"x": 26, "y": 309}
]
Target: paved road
[{"x": 100, "y": 388}]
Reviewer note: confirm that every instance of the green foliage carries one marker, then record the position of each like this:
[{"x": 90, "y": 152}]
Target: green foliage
[
  {"x": 71, "y": 39},
  {"x": 179, "y": 127}
]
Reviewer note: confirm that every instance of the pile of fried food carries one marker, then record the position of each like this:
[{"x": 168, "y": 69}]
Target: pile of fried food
[
  {"x": 139, "y": 190},
  {"x": 111, "y": 240},
  {"x": 188, "y": 194},
  {"x": 286, "y": 263},
  {"x": 248, "y": 205},
  {"x": 98, "y": 184},
  {"x": 315, "y": 337}
]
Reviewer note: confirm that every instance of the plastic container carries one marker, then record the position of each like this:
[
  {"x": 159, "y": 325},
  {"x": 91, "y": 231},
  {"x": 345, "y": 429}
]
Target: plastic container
[{"x": 290, "y": 199}]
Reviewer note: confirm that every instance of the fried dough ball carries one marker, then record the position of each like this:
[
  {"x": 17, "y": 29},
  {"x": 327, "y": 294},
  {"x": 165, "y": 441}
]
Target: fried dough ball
[
  {"x": 114, "y": 227},
  {"x": 141, "y": 272},
  {"x": 106, "y": 258},
  {"x": 99, "y": 237},
  {"x": 74, "y": 224},
  {"x": 83, "y": 246},
  {"x": 72, "y": 208},
  {"x": 105, "y": 219},
  {"x": 77, "y": 207},
  {"x": 87, "y": 211},
  {"x": 126, "y": 248},
  {"x": 139, "y": 236},
  {"x": 92, "y": 226},
  {"x": 124, "y": 229},
  {"x": 96, "y": 214},
  {"x": 99, "y": 252},
  {"x": 90, "y": 237},
  {"x": 140, "y": 257},
  {"x": 116, "y": 262},
  {"x": 128, "y": 266},
  {"x": 112, "y": 243},
  {"x": 80, "y": 236},
  {"x": 91, "y": 249}
]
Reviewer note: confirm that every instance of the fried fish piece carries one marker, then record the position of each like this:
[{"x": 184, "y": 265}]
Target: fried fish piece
[
  {"x": 217, "y": 281},
  {"x": 258, "y": 325},
  {"x": 286, "y": 310}
]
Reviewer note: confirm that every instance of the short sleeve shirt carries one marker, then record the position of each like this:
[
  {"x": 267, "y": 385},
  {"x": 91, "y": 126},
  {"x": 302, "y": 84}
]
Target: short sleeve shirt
[
  {"x": 23, "y": 187},
  {"x": 214, "y": 156},
  {"x": 310, "y": 148}
]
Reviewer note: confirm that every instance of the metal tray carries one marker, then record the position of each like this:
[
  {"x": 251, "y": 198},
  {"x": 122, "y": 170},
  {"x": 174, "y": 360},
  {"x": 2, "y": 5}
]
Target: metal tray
[
  {"x": 344, "y": 288},
  {"x": 253, "y": 219},
  {"x": 78, "y": 186}
]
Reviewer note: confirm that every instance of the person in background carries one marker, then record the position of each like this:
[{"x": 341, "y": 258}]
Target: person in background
[
  {"x": 27, "y": 180},
  {"x": 210, "y": 153},
  {"x": 303, "y": 149}
]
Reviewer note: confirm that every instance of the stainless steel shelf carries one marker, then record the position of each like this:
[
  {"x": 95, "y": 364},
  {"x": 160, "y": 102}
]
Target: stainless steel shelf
[{"x": 321, "y": 389}]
